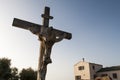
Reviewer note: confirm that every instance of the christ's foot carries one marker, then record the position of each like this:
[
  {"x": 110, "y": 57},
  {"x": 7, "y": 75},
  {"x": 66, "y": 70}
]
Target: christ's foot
[{"x": 48, "y": 60}]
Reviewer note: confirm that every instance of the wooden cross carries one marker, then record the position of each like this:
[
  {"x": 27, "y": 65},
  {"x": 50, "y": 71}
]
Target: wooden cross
[{"x": 47, "y": 35}]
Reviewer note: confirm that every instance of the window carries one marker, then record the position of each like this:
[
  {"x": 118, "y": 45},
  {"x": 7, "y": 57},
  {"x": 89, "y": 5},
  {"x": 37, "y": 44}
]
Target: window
[
  {"x": 114, "y": 75},
  {"x": 93, "y": 67},
  {"x": 77, "y": 77},
  {"x": 81, "y": 68},
  {"x": 94, "y": 76},
  {"x": 104, "y": 75}
]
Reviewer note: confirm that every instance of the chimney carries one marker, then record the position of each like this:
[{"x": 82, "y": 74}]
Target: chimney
[{"x": 83, "y": 59}]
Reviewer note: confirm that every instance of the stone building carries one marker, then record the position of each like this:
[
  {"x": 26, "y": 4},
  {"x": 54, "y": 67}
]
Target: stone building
[{"x": 89, "y": 71}]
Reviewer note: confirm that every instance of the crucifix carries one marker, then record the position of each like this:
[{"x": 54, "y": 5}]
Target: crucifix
[{"x": 48, "y": 37}]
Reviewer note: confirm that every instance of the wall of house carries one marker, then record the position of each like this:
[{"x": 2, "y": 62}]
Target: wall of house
[
  {"x": 88, "y": 71},
  {"x": 83, "y": 73},
  {"x": 115, "y": 75},
  {"x": 93, "y": 69},
  {"x": 85, "y": 70}
]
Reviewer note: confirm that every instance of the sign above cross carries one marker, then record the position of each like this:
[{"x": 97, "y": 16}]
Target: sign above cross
[{"x": 47, "y": 35}]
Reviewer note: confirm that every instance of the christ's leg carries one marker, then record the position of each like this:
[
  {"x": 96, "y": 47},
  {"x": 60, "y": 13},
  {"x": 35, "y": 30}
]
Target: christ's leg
[{"x": 48, "y": 54}]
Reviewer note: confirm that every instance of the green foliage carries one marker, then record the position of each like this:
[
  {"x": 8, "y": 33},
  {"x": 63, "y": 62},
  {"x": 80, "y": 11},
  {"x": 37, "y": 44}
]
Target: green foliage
[
  {"x": 8, "y": 73},
  {"x": 5, "y": 70},
  {"x": 14, "y": 74},
  {"x": 28, "y": 74}
]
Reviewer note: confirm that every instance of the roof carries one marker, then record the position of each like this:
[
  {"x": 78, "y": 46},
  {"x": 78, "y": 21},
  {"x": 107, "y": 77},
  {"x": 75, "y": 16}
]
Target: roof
[
  {"x": 113, "y": 68},
  {"x": 96, "y": 64},
  {"x": 80, "y": 62},
  {"x": 86, "y": 62}
]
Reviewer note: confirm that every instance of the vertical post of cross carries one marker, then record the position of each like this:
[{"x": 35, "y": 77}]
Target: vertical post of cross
[{"x": 42, "y": 67}]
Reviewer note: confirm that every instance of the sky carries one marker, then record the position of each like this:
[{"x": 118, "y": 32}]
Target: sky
[{"x": 94, "y": 24}]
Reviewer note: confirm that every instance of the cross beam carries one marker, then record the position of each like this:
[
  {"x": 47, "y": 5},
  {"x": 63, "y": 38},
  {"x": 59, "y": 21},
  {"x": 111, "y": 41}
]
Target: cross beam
[{"x": 36, "y": 28}]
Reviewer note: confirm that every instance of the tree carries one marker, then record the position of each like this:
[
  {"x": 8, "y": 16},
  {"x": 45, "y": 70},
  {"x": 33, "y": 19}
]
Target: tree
[
  {"x": 28, "y": 74},
  {"x": 14, "y": 74},
  {"x": 5, "y": 70},
  {"x": 8, "y": 73}
]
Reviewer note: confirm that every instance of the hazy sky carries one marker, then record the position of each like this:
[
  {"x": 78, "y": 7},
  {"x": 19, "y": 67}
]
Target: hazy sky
[{"x": 94, "y": 24}]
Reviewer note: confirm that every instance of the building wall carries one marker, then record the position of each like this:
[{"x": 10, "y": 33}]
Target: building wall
[
  {"x": 84, "y": 73},
  {"x": 89, "y": 71},
  {"x": 111, "y": 74},
  {"x": 93, "y": 69}
]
